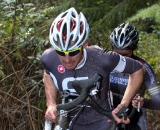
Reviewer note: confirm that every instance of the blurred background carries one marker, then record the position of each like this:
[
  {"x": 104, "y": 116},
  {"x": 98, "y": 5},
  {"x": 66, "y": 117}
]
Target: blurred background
[{"x": 24, "y": 30}]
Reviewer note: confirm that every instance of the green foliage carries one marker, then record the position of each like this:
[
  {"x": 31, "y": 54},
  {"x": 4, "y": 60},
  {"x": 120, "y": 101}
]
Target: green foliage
[
  {"x": 149, "y": 49},
  {"x": 147, "y": 23},
  {"x": 116, "y": 15},
  {"x": 24, "y": 29},
  {"x": 152, "y": 12}
]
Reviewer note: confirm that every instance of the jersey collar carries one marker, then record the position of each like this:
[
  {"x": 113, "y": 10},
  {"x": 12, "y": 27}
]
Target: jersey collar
[{"x": 82, "y": 62}]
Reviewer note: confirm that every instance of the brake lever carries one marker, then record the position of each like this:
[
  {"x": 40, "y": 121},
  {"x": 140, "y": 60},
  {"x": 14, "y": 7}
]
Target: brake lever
[
  {"x": 139, "y": 103},
  {"x": 123, "y": 112},
  {"x": 96, "y": 92}
]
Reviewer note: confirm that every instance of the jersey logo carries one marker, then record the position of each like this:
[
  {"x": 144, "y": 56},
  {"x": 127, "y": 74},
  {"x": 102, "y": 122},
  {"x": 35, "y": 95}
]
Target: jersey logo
[
  {"x": 66, "y": 81},
  {"x": 61, "y": 69}
]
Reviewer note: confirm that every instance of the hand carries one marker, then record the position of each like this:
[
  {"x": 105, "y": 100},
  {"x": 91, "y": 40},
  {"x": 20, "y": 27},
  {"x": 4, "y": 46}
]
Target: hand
[
  {"x": 136, "y": 100},
  {"x": 117, "y": 119},
  {"x": 52, "y": 113}
]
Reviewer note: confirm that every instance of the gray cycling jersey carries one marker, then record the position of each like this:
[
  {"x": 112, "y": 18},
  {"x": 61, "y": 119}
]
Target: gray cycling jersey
[
  {"x": 95, "y": 61},
  {"x": 119, "y": 81}
]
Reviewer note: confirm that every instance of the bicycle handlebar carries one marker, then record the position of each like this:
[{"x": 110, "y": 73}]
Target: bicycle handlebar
[{"x": 82, "y": 87}]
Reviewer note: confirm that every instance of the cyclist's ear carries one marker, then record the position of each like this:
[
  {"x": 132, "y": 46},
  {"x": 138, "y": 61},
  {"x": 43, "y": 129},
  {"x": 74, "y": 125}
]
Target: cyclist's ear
[{"x": 85, "y": 44}]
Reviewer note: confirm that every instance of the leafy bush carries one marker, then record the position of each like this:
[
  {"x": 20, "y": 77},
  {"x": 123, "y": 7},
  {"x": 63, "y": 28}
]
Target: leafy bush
[{"x": 149, "y": 49}]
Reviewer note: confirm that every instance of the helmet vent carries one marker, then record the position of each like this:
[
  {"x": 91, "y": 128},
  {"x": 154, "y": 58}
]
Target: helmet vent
[
  {"x": 59, "y": 24},
  {"x": 64, "y": 15},
  {"x": 121, "y": 38},
  {"x": 81, "y": 27},
  {"x": 64, "y": 32},
  {"x": 82, "y": 40},
  {"x": 73, "y": 14},
  {"x": 72, "y": 42},
  {"x": 52, "y": 29},
  {"x": 57, "y": 39},
  {"x": 73, "y": 24}
]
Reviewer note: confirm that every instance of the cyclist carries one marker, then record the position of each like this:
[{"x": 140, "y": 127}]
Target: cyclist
[
  {"x": 71, "y": 59},
  {"x": 124, "y": 40}
]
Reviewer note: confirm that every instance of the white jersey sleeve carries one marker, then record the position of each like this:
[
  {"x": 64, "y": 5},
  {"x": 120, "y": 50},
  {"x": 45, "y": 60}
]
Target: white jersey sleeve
[{"x": 121, "y": 65}]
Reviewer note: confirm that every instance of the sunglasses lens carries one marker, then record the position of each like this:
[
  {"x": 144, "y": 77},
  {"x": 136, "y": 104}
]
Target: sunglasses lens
[
  {"x": 70, "y": 53},
  {"x": 73, "y": 53},
  {"x": 60, "y": 53}
]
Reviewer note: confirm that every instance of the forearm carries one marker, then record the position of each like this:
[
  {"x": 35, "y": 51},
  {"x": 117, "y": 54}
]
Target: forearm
[
  {"x": 153, "y": 103},
  {"x": 50, "y": 90},
  {"x": 134, "y": 84}
]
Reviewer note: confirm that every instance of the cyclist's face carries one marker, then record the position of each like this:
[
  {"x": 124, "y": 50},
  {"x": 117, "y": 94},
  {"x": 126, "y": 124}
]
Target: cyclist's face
[
  {"x": 71, "y": 62},
  {"x": 127, "y": 53}
]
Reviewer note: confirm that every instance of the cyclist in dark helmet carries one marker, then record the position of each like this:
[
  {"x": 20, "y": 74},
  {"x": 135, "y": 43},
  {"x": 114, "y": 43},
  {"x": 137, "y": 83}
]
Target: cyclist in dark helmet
[
  {"x": 124, "y": 40},
  {"x": 71, "y": 59}
]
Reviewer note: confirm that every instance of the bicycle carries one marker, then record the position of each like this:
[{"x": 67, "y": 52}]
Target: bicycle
[{"x": 85, "y": 89}]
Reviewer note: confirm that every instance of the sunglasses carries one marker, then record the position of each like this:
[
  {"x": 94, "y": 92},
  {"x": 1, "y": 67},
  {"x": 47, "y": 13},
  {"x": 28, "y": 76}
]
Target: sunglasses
[{"x": 70, "y": 53}]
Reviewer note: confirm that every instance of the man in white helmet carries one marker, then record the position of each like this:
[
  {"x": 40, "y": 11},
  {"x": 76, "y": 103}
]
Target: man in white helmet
[{"x": 71, "y": 59}]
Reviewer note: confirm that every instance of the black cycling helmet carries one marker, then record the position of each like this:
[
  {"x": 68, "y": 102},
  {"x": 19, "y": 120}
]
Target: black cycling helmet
[{"x": 125, "y": 36}]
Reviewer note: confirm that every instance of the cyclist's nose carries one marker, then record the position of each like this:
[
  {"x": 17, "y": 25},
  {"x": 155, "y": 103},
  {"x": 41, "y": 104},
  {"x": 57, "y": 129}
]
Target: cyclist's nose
[{"x": 67, "y": 58}]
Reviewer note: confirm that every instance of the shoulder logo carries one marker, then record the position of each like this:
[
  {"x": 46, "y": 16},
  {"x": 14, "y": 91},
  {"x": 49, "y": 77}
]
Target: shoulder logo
[{"x": 61, "y": 69}]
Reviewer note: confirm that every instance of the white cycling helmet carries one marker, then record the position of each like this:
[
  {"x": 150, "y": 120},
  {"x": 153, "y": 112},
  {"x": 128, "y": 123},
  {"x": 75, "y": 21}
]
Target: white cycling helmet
[
  {"x": 124, "y": 36},
  {"x": 69, "y": 30}
]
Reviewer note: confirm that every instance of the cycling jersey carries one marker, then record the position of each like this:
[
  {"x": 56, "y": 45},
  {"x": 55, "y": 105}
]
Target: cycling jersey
[
  {"x": 95, "y": 60},
  {"x": 119, "y": 81}
]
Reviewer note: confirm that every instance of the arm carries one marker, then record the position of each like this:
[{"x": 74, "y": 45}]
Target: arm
[
  {"x": 153, "y": 103},
  {"x": 129, "y": 66},
  {"x": 153, "y": 90},
  {"x": 134, "y": 84},
  {"x": 51, "y": 96}
]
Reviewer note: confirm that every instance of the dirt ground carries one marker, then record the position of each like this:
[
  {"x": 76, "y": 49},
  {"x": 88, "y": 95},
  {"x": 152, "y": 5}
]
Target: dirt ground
[{"x": 153, "y": 119}]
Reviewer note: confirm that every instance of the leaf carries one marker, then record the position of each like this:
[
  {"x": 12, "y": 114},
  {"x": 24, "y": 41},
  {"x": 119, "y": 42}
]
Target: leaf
[
  {"x": 29, "y": 5},
  {"x": 2, "y": 74}
]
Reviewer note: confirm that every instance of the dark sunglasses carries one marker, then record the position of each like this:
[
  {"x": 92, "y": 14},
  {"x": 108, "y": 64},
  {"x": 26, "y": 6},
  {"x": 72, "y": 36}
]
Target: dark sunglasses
[{"x": 70, "y": 53}]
